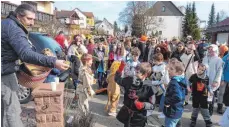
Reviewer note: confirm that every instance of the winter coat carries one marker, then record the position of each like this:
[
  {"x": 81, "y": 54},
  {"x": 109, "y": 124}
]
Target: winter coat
[
  {"x": 142, "y": 48},
  {"x": 226, "y": 96},
  {"x": 225, "y": 76},
  {"x": 175, "y": 97},
  {"x": 129, "y": 114},
  {"x": 15, "y": 45},
  {"x": 75, "y": 66},
  {"x": 178, "y": 54},
  {"x": 214, "y": 69}
]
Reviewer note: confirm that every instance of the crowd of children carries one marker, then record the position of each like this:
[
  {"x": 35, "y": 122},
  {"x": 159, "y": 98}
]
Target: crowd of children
[{"x": 144, "y": 68}]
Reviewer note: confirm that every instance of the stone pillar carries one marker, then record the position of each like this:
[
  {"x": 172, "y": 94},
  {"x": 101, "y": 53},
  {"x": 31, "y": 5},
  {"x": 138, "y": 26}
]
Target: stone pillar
[{"x": 49, "y": 105}]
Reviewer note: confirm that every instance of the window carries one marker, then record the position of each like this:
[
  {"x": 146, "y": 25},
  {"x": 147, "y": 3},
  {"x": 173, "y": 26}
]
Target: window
[
  {"x": 102, "y": 25},
  {"x": 81, "y": 24},
  {"x": 163, "y": 9},
  {"x": 81, "y": 18},
  {"x": 160, "y": 32}
]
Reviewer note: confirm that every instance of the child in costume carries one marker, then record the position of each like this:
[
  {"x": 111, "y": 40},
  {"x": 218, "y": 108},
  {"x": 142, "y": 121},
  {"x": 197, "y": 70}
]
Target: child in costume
[
  {"x": 160, "y": 78},
  {"x": 86, "y": 79},
  {"x": 113, "y": 90},
  {"x": 200, "y": 89},
  {"x": 137, "y": 97},
  {"x": 129, "y": 69},
  {"x": 54, "y": 72}
]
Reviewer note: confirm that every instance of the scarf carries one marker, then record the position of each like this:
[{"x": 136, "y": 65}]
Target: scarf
[{"x": 179, "y": 78}]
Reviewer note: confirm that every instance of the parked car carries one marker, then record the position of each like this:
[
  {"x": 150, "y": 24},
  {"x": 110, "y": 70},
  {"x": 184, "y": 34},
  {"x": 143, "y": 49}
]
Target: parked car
[{"x": 40, "y": 41}]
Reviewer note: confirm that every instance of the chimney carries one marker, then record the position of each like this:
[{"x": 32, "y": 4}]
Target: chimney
[{"x": 56, "y": 9}]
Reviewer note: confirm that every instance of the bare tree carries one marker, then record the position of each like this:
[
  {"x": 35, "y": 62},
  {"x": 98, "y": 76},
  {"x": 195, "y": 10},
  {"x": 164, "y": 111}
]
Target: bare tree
[
  {"x": 140, "y": 16},
  {"x": 51, "y": 27},
  {"x": 222, "y": 15}
]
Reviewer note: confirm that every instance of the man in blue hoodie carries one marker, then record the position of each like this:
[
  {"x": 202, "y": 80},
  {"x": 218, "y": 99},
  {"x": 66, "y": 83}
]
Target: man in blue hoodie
[
  {"x": 175, "y": 93},
  {"x": 224, "y": 83},
  {"x": 15, "y": 46}
]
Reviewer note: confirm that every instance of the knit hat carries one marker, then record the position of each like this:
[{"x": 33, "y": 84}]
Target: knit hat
[{"x": 143, "y": 38}]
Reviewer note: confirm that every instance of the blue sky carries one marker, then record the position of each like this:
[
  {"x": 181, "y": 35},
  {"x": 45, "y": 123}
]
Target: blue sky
[{"x": 111, "y": 9}]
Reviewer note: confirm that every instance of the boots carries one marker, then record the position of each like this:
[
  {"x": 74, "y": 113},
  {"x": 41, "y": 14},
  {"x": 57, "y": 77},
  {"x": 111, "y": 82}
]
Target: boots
[
  {"x": 193, "y": 122},
  {"x": 220, "y": 108},
  {"x": 208, "y": 123}
]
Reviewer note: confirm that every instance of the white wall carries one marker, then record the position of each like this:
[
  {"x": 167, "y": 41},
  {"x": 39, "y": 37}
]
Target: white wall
[
  {"x": 222, "y": 38},
  {"x": 171, "y": 27},
  {"x": 106, "y": 28},
  {"x": 15, "y": 2},
  {"x": 83, "y": 19}
]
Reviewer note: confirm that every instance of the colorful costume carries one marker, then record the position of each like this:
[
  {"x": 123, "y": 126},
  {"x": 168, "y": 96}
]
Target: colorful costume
[{"x": 113, "y": 89}]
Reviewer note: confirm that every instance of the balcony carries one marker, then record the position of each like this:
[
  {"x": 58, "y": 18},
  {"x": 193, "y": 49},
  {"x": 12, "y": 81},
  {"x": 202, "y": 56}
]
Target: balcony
[{"x": 6, "y": 7}]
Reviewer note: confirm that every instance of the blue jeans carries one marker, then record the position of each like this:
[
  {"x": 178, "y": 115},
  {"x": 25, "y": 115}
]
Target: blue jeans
[
  {"x": 161, "y": 106},
  {"x": 169, "y": 122}
]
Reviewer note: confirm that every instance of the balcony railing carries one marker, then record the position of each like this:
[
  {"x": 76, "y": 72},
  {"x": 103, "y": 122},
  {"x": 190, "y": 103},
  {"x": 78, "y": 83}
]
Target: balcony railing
[{"x": 6, "y": 7}]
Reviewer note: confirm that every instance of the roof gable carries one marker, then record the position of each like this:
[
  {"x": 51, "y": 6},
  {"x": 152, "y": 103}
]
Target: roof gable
[
  {"x": 88, "y": 14},
  {"x": 79, "y": 11},
  {"x": 170, "y": 9}
]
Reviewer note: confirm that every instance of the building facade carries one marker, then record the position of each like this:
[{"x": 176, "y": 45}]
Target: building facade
[
  {"x": 170, "y": 18},
  {"x": 104, "y": 27}
]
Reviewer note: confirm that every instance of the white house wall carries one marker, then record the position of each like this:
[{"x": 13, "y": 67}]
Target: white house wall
[
  {"x": 83, "y": 19},
  {"x": 106, "y": 28},
  {"x": 171, "y": 27},
  {"x": 222, "y": 37}
]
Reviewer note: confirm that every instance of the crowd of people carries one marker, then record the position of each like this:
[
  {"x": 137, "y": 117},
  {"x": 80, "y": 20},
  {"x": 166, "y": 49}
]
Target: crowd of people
[{"x": 143, "y": 68}]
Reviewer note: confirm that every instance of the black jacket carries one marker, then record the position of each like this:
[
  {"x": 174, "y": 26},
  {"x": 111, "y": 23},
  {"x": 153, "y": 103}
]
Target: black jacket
[
  {"x": 15, "y": 46},
  {"x": 142, "y": 48},
  {"x": 226, "y": 96},
  {"x": 177, "y": 54},
  {"x": 143, "y": 92}
]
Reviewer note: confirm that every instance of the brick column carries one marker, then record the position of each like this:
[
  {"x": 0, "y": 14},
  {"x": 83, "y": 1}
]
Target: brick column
[{"x": 49, "y": 105}]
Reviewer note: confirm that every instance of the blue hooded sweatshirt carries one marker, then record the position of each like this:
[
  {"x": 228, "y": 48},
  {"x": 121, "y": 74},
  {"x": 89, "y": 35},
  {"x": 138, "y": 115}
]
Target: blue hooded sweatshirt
[
  {"x": 175, "y": 97},
  {"x": 225, "y": 76}
]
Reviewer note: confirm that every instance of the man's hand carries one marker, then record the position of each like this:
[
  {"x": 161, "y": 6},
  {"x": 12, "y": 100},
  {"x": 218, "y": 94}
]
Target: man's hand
[
  {"x": 139, "y": 105},
  {"x": 61, "y": 65}
]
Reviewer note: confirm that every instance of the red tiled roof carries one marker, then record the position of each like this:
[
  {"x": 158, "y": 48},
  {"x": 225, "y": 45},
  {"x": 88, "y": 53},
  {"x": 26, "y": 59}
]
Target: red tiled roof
[
  {"x": 88, "y": 14},
  {"x": 225, "y": 22},
  {"x": 64, "y": 14}
]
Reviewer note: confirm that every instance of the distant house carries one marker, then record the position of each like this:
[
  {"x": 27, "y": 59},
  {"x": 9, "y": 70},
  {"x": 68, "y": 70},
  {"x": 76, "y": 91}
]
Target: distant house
[
  {"x": 83, "y": 18},
  {"x": 220, "y": 32},
  {"x": 169, "y": 16},
  {"x": 70, "y": 19},
  {"x": 104, "y": 27},
  {"x": 90, "y": 19},
  {"x": 44, "y": 11}
]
